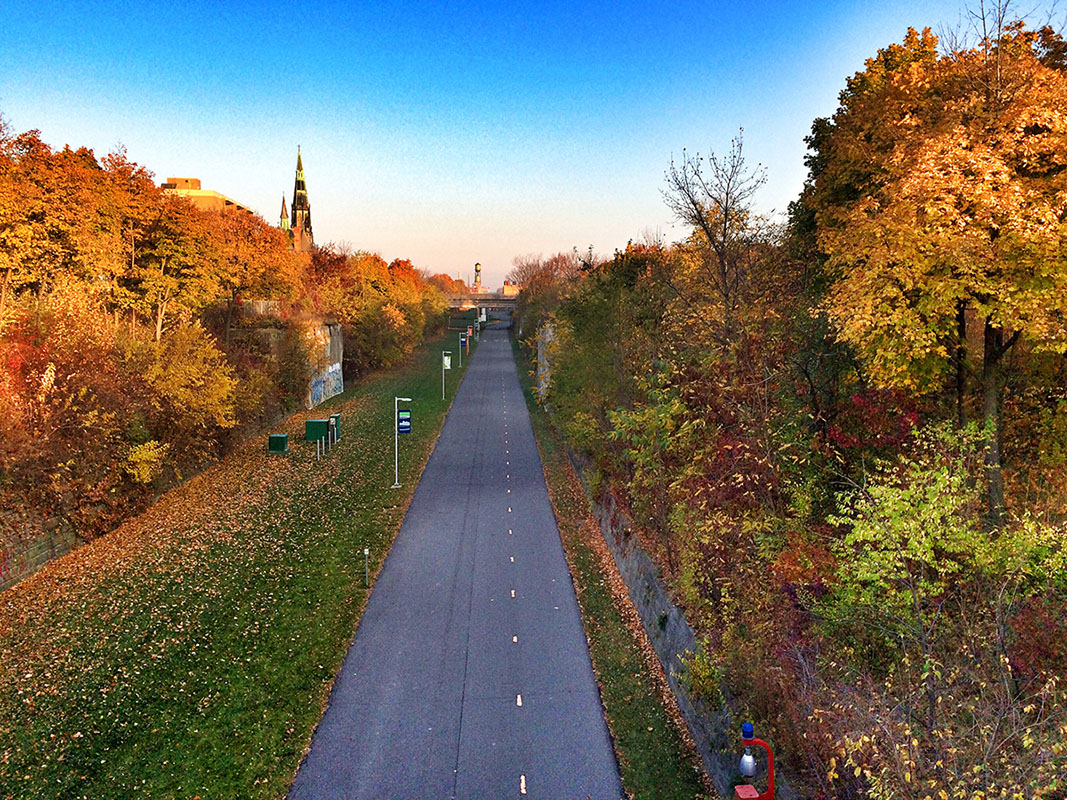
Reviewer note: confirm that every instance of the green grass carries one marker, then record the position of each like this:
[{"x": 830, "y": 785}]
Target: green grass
[
  {"x": 191, "y": 652},
  {"x": 655, "y": 761}
]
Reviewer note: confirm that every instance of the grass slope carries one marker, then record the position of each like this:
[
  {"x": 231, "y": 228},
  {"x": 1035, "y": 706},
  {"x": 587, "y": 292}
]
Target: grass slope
[
  {"x": 191, "y": 652},
  {"x": 656, "y": 761}
]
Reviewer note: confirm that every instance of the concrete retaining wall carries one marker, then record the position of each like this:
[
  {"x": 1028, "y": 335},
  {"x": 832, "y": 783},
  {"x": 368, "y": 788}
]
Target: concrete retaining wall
[
  {"x": 546, "y": 337},
  {"x": 326, "y": 348},
  {"x": 714, "y": 730}
]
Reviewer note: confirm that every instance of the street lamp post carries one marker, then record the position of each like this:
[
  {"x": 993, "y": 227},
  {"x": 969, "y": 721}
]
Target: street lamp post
[
  {"x": 446, "y": 363},
  {"x": 748, "y": 767},
  {"x": 396, "y": 439}
]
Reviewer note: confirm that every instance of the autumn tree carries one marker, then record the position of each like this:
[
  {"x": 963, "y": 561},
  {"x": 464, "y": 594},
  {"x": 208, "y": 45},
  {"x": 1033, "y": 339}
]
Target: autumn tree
[
  {"x": 249, "y": 257},
  {"x": 940, "y": 192},
  {"x": 173, "y": 274},
  {"x": 130, "y": 205},
  {"x": 714, "y": 196},
  {"x": 46, "y": 236},
  {"x": 446, "y": 283},
  {"x": 543, "y": 281}
]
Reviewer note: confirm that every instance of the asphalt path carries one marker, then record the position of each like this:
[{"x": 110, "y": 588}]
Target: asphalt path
[{"x": 469, "y": 675}]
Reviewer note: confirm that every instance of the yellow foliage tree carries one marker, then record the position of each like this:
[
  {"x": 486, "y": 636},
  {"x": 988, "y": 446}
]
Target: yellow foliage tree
[{"x": 941, "y": 194}]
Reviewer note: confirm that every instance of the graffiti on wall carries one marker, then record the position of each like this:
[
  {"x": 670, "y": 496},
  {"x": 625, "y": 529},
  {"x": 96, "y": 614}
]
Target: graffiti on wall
[
  {"x": 325, "y": 345},
  {"x": 326, "y": 384}
]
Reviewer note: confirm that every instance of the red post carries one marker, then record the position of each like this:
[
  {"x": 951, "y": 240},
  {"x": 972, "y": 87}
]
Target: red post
[{"x": 747, "y": 791}]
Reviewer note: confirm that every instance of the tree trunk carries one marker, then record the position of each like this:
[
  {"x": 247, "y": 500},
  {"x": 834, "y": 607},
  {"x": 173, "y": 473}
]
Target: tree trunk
[
  {"x": 3, "y": 292},
  {"x": 229, "y": 317},
  {"x": 993, "y": 351},
  {"x": 961, "y": 349},
  {"x": 40, "y": 301}
]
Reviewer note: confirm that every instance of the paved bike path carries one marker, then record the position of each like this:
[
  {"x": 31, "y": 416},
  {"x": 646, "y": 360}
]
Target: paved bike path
[{"x": 469, "y": 675}]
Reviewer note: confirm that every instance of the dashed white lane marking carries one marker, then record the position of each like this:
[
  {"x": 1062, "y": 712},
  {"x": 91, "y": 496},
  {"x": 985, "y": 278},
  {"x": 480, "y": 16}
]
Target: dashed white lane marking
[
  {"x": 515, "y": 639},
  {"x": 522, "y": 784},
  {"x": 512, "y": 592},
  {"x": 509, "y": 491},
  {"x": 510, "y": 532},
  {"x": 518, "y": 700},
  {"x": 512, "y": 559}
]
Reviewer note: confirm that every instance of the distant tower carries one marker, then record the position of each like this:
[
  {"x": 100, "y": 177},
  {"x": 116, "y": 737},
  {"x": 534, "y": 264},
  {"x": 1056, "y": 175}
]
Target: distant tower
[
  {"x": 283, "y": 222},
  {"x": 478, "y": 279},
  {"x": 303, "y": 240}
]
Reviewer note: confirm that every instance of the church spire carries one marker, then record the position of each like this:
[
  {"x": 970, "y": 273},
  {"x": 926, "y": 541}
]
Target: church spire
[
  {"x": 301, "y": 213},
  {"x": 283, "y": 222}
]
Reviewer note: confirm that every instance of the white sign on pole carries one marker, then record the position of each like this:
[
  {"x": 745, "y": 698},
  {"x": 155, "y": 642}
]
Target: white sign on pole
[
  {"x": 446, "y": 361},
  {"x": 396, "y": 439}
]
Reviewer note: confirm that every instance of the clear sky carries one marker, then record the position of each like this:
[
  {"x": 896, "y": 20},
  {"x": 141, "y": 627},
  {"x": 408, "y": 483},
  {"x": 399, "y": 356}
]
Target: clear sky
[{"x": 446, "y": 132}]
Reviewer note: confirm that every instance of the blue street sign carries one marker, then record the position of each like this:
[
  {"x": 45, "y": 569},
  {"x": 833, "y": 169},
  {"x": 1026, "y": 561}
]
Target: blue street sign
[{"x": 403, "y": 420}]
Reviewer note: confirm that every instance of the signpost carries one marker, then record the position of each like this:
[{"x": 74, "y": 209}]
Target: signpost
[
  {"x": 462, "y": 341},
  {"x": 396, "y": 435},
  {"x": 446, "y": 363}
]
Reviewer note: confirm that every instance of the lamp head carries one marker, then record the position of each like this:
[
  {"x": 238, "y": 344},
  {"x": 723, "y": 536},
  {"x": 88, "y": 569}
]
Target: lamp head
[
  {"x": 748, "y": 761},
  {"x": 748, "y": 764}
]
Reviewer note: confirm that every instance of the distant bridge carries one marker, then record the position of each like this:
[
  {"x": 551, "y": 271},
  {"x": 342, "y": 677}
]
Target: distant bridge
[{"x": 488, "y": 300}]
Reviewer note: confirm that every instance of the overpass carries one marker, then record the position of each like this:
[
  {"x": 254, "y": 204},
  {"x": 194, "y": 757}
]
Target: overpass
[{"x": 464, "y": 301}]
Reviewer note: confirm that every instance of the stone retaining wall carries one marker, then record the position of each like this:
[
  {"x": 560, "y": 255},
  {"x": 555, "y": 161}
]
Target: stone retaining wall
[{"x": 716, "y": 733}]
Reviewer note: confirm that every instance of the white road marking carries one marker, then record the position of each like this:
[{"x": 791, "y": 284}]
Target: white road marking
[
  {"x": 518, "y": 700},
  {"x": 512, "y": 592},
  {"x": 515, "y": 639},
  {"x": 512, "y": 559},
  {"x": 509, "y": 509},
  {"x": 522, "y": 784},
  {"x": 509, "y": 491},
  {"x": 510, "y": 533}
]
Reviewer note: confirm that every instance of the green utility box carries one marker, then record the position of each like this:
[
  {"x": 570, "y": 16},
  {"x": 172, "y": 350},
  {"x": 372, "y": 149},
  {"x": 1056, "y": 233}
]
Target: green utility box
[
  {"x": 278, "y": 443},
  {"x": 315, "y": 429},
  {"x": 336, "y": 418}
]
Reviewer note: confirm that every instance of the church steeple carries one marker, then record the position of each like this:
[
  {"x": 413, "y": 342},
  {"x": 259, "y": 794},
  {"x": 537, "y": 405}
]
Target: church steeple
[
  {"x": 301, "y": 215},
  {"x": 283, "y": 222}
]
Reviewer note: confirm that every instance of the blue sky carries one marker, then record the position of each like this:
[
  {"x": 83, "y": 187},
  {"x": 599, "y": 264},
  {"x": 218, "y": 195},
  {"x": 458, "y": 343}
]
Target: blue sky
[{"x": 446, "y": 133}]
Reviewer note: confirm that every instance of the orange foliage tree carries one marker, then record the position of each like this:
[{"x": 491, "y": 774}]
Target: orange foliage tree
[{"x": 941, "y": 194}]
